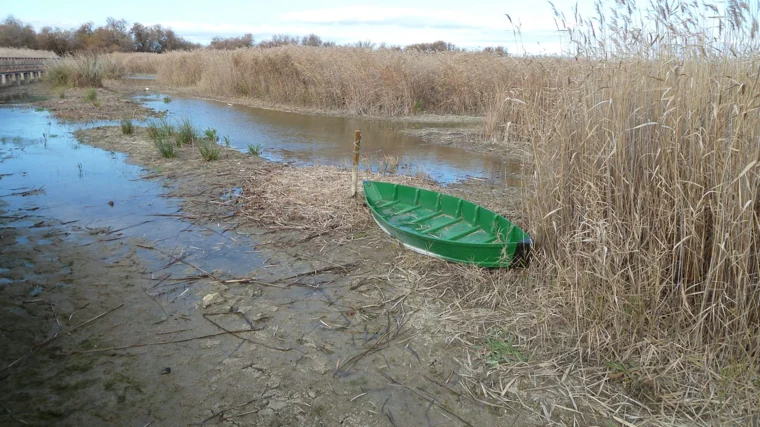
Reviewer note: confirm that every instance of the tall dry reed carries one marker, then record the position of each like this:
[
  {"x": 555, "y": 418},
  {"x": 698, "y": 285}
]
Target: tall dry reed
[
  {"x": 138, "y": 63},
  {"x": 645, "y": 202}
]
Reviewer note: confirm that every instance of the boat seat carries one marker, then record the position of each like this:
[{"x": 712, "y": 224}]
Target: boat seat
[{"x": 464, "y": 233}]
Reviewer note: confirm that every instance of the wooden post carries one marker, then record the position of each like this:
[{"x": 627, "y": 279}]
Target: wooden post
[{"x": 355, "y": 173}]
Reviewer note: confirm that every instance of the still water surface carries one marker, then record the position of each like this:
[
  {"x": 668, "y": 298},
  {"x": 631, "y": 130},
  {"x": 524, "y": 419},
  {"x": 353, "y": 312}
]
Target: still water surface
[{"x": 305, "y": 139}]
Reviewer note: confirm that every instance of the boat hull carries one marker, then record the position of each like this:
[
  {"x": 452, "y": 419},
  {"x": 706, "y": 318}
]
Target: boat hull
[{"x": 446, "y": 227}]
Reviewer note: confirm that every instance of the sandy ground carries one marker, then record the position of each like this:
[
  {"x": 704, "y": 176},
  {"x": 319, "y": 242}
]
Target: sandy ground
[{"x": 327, "y": 329}]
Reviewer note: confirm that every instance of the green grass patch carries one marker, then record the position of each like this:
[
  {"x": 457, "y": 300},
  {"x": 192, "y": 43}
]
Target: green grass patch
[
  {"x": 127, "y": 128},
  {"x": 186, "y": 133},
  {"x": 91, "y": 95},
  {"x": 167, "y": 100},
  {"x": 160, "y": 128},
  {"x": 255, "y": 150},
  {"x": 500, "y": 350},
  {"x": 165, "y": 146},
  {"x": 211, "y": 135},
  {"x": 209, "y": 150}
]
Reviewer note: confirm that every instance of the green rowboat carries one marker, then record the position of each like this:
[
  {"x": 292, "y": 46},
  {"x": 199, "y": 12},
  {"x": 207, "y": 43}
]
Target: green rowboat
[{"x": 447, "y": 227}]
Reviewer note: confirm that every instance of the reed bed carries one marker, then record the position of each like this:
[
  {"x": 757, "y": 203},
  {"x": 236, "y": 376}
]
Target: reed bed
[
  {"x": 138, "y": 62},
  {"x": 353, "y": 80}
]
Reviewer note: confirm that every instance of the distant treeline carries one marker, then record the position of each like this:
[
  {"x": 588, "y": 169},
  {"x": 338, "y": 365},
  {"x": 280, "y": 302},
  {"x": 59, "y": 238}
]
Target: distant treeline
[
  {"x": 118, "y": 36},
  {"x": 114, "y": 36}
]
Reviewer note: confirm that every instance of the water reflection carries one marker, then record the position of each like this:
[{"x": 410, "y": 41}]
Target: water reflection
[{"x": 309, "y": 139}]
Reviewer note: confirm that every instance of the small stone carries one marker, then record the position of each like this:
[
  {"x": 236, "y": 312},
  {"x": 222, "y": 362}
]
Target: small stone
[
  {"x": 166, "y": 371},
  {"x": 274, "y": 308},
  {"x": 211, "y": 298},
  {"x": 110, "y": 203},
  {"x": 277, "y": 405}
]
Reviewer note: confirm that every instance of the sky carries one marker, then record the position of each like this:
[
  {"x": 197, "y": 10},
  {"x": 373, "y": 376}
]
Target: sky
[{"x": 466, "y": 23}]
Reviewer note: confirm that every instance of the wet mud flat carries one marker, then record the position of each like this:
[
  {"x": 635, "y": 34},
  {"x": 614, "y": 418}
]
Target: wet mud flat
[{"x": 136, "y": 295}]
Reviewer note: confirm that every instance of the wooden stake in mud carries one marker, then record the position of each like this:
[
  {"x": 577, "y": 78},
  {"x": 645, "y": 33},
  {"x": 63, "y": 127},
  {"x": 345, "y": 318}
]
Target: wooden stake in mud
[{"x": 355, "y": 173}]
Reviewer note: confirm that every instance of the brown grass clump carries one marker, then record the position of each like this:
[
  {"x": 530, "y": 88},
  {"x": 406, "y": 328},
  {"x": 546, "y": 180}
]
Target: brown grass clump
[{"x": 81, "y": 70}]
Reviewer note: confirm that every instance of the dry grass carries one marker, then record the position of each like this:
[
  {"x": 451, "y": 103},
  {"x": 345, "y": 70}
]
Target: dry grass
[
  {"x": 10, "y": 52},
  {"x": 311, "y": 198}
]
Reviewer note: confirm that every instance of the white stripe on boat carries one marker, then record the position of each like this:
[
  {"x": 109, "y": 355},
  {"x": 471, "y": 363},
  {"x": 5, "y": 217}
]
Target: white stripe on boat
[{"x": 414, "y": 248}]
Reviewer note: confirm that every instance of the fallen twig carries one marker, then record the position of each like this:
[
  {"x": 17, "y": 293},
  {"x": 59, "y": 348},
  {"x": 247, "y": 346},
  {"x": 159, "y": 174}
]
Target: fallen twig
[{"x": 243, "y": 338}]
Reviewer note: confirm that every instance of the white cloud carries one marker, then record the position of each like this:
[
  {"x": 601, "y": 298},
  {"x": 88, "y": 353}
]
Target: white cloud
[{"x": 396, "y": 26}]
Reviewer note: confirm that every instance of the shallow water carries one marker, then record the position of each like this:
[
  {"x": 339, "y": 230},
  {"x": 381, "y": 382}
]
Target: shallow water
[
  {"x": 45, "y": 172},
  {"x": 309, "y": 139}
]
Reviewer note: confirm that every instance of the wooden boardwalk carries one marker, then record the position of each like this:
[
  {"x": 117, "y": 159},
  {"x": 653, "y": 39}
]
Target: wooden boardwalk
[{"x": 21, "y": 70}]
